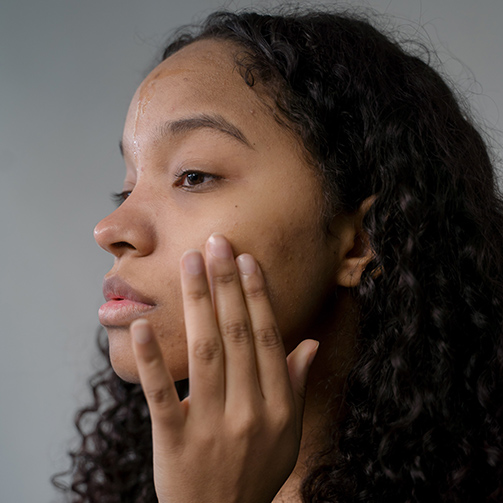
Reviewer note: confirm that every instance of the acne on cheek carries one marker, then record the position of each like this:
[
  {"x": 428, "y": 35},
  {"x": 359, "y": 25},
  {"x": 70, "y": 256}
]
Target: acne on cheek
[{"x": 294, "y": 266}]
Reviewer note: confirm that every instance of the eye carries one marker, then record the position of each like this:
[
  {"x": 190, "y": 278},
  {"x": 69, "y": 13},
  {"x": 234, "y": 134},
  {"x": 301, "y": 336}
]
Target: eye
[
  {"x": 119, "y": 197},
  {"x": 193, "y": 179}
]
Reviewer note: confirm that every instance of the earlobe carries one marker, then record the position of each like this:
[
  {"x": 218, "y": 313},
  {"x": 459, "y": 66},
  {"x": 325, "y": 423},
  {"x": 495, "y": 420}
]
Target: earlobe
[{"x": 354, "y": 250}]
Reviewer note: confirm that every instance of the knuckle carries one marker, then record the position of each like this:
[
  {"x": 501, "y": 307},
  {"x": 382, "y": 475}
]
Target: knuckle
[
  {"x": 247, "y": 425},
  {"x": 254, "y": 290},
  {"x": 197, "y": 294},
  {"x": 283, "y": 418},
  {"x": 205, "y": 440},
  {"x": 225, "y": 278},
  {"x": 207, "y": 350},
  {"x": 157, "y": 396},
  {"x": 235, "y": 331},
  {"x": 268, "y": 336}
]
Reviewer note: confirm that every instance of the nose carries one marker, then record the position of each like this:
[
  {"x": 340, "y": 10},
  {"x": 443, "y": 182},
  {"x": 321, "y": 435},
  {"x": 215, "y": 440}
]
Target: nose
[{"x": 129, "y": 229}]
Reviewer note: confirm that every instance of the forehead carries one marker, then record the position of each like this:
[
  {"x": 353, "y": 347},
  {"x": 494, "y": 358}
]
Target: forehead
[
  {"x": 200, "y": 78},
  {"x": 208, "y": 65}
]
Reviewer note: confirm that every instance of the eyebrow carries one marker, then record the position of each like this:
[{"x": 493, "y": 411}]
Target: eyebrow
[{"x": 200, "y": 121}]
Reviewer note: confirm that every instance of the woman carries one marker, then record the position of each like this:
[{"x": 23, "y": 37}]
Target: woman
[{"x": 299, "y": 178}]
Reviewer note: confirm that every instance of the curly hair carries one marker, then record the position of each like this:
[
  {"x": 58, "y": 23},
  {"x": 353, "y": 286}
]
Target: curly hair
[{"x": 424, "y": 400}]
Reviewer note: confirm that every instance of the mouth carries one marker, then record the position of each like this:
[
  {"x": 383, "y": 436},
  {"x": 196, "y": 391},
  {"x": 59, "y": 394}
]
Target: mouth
[{"x": 123, "y": 303}]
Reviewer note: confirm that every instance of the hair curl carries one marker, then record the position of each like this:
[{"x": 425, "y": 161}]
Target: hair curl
[{"x": 424, "y": 400}]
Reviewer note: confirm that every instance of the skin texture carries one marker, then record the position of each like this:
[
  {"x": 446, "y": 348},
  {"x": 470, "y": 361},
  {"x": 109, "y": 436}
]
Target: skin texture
[
  {"x": 253, "y": 186},
  {"x": 266, "y": 202}
]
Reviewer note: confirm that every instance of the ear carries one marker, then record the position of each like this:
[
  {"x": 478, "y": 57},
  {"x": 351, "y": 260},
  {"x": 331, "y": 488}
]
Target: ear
[{"x": 353, "y": 247}]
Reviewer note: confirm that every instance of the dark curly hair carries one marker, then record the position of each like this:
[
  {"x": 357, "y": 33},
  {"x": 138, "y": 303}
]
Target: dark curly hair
[{"x": 424, "y": 399}]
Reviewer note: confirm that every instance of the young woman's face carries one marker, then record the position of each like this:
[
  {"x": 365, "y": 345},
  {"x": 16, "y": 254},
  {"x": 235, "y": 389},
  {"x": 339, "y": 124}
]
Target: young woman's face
[{"x": 204, "y": 154}]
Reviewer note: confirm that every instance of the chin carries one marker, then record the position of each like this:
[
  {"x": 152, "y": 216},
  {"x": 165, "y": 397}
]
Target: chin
[
  {"x": 124, "y": 363},
  {"x": 122, "y": 360}
]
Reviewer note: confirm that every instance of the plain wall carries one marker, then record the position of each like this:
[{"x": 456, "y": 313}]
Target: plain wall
[{"x": 67, "y": 72}]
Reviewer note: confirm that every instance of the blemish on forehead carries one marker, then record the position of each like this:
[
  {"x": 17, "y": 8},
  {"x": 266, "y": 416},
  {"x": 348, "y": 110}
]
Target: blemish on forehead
[
  {"x": 161, "y": 72},
  {"x": 145, "y": 96}
]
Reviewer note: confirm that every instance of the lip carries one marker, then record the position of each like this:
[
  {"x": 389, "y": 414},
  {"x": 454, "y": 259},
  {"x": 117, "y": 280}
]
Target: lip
[{"x": 123, "y": 303}]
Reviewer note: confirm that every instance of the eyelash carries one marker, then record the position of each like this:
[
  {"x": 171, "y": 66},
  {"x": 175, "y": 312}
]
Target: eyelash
[
  {"x": 184, "y": 176},
  {"x": 119, "y": 197}
]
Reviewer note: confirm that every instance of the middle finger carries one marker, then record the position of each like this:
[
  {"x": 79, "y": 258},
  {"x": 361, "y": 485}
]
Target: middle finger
[{"x": 233, "y": 320}]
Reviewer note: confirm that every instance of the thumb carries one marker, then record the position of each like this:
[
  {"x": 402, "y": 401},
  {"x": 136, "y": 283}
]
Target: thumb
[{"x": 299, "y": 361}]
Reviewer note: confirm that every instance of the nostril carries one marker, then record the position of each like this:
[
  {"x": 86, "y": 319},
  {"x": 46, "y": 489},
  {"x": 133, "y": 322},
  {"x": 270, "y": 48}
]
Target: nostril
[
  {"x": 123, "y": 244},
  {"x": 124, "y": 232}
]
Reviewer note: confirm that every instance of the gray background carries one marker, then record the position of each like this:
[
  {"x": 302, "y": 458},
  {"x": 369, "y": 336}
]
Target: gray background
[{"x": 67, "y": 72}]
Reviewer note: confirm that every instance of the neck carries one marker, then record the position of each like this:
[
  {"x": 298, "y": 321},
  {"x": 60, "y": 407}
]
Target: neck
[{"x": 325, "y": 388}]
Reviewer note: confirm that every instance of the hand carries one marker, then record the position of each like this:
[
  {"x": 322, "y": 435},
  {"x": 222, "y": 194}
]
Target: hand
[{"x": 236, "y": 437}]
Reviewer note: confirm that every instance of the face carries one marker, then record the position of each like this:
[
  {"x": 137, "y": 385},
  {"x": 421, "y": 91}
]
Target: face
[{"x": 204, "y": 154}]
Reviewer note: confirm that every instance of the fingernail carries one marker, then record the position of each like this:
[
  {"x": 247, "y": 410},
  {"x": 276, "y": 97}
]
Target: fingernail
[
  {"x": 246, "y": 264},
  {"x": 219, "y": 246},
  {"x": 141, "y": 331},
  {"x": 193, "y": 262},
  {"x": 312, "y": 354}
]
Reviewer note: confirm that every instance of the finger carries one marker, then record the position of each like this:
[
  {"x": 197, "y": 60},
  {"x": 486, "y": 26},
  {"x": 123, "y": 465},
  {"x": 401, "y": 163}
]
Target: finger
[
  {"x": 205, "y": 351},
  {"x": 233, "y": 322},
  {"x": 156, "y": 381},
  {"x": 272, "y": 370},
  {"x": 299, "y": 362}
]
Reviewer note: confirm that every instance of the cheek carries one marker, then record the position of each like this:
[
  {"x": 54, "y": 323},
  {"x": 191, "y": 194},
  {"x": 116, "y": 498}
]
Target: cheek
[
  {"x": 298, "y": 281},
  {"x": 159, "y": 277},
  {"x": 297, "y": 264},
  {"x": 290, "y": 251},
  {"x": 168, "y": 321}
]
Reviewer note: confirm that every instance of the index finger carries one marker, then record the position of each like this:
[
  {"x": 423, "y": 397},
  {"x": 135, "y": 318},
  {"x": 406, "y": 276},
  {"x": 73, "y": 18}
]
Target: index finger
[{"x": 205, "y": 351}]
